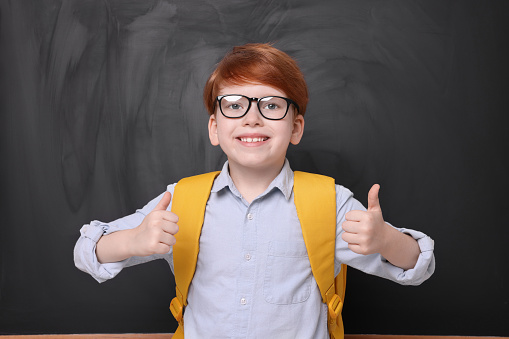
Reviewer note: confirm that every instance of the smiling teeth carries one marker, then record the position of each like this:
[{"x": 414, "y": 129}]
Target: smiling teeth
[{"x": 252, "y": 139}]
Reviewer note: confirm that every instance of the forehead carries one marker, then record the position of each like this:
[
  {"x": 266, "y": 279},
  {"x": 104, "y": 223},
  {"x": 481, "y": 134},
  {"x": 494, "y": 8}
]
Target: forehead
[{"x": 250, "y": 90}]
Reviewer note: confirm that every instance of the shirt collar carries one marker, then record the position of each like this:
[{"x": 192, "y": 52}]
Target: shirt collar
[{"x": 283, "y": 181}]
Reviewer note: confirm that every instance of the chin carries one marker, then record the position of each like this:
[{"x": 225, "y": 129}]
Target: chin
[{"x": 257, "y": 163}]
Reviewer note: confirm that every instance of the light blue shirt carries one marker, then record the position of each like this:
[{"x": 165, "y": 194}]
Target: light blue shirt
[{"x": 253, "y": 278}]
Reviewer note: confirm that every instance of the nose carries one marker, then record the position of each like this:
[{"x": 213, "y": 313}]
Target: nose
[{"x": 253, "y": 116}]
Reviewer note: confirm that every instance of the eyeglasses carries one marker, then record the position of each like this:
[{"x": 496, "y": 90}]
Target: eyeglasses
[{"x": 272, "y": 108}]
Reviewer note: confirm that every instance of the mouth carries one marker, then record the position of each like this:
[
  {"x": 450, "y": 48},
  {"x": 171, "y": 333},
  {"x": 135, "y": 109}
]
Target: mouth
[{"x": 253, "y": 140}]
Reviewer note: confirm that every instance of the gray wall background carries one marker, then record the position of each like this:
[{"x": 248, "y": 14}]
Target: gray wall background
[{"x": 101, "y": 108}]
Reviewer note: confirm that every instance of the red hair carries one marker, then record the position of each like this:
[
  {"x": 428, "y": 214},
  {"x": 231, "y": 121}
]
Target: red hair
[{"x": 257, "y": 64}]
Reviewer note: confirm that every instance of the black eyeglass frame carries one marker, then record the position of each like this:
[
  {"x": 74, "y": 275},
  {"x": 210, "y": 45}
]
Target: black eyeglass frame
[{"x": 250, "y": 100}]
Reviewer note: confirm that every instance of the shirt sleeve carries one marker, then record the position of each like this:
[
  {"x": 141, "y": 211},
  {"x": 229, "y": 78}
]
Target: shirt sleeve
[
  {"x": 375, "y": 264},
  {"x": 85, "y": 257}
]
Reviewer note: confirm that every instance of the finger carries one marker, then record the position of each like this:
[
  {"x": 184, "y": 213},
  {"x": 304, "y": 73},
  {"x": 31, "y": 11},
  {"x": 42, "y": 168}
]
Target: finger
[
  {"x": 170, "y": 227},
  {"x": 350, "y": 226},
  {"x": 163, "y": 248},
  {"x": 350, "y": 238},
  {"x": 355, "y": 215},
  {"x": 356, "y": 248},
  {"x": 168, "y": 239},
  {"x": 163, "y": 204},
  {"x": 373, "y": 201},
  {"x": 169, "y": 216}
]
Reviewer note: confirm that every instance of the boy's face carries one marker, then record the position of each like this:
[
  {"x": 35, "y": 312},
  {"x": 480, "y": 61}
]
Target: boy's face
[{"x": 253, "y": 142}]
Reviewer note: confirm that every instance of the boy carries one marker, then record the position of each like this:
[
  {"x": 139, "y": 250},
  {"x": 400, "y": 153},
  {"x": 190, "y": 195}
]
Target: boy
[{"x": 253, "y": 277}]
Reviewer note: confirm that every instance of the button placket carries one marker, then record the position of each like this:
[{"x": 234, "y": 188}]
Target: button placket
[{"x": 246, "y": 284}]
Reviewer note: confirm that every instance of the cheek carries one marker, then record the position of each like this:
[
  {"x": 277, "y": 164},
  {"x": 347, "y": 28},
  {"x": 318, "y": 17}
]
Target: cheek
[
  {"x": 287, "y": 130},
  {"x": 224, "y": 130}
]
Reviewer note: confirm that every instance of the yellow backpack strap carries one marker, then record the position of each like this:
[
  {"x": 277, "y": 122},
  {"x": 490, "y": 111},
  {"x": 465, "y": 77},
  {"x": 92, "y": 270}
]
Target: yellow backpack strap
[
  {"x": 336, "y": 328},
  {"x": 315, "y": 201},
  {"x": 188, "y": 203}
]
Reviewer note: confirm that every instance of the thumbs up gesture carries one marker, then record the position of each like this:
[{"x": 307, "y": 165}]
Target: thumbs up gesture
[
  {"x": 366, "y": 231},
  {"x": 156, "y": 233}
]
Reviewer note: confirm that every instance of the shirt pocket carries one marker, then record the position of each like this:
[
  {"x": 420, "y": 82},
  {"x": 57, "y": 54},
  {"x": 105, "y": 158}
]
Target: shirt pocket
[{"x": 288, "y": 273}]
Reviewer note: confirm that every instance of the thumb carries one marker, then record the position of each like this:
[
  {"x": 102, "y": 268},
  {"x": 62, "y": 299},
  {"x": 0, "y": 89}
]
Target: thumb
[
  {"x": 373, "y": 202},
  {"x": 164, "y": 202}
]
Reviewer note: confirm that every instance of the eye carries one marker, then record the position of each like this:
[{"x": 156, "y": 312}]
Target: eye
[
  {"x": 271, "y": 106},
  {"x": 234, "y": 106},
  {"x": 233, "y": 103}
]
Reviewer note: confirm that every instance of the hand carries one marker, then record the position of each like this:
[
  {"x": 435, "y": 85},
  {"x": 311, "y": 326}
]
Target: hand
[
  {"x": 366, "y": 231},
  {"x": 156, "y": 233}
]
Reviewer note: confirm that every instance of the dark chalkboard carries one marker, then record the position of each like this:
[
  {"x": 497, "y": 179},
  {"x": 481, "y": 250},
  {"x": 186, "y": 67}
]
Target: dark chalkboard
[{"x": 101, "y": 109}]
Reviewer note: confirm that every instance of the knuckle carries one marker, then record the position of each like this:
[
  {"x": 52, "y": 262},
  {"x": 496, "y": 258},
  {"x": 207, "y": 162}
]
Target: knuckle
[
  {"x": 158, "y": 223},
  {"x": 152, "y": 248},
  {"x": 363, "y": 250},
  {"x": 163, "y": 249},
  {"x": 368, "y": 231}
]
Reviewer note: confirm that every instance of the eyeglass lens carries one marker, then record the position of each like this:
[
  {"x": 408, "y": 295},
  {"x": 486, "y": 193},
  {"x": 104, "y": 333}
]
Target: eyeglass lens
[{"x": 234, "y": 106}]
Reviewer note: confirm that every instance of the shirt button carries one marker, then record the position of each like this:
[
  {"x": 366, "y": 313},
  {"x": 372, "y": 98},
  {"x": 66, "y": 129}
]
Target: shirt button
[
  {"x": 243, "y": 301},
  {"x": 247, "y": 257},
  {"x": 250, "y": 216}
]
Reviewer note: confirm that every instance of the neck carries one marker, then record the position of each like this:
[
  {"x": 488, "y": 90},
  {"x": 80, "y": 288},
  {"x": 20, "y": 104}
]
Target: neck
[{"x": 251, "y": 182}]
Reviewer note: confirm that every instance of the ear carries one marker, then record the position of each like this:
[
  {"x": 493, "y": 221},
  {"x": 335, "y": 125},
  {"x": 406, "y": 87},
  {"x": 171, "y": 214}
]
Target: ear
[
  {"x": 214, "y": 140},
  {"x": 298, "y": 129}
]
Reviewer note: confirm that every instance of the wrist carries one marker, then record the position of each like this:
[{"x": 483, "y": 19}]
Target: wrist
[
  {"x": 386, "y": 239},
  {"x": 401, "y": 250},
  {"x": 129, "y": 243},
  {"x": 112, "y": 247},
  {"x": 390, "y": 239}
]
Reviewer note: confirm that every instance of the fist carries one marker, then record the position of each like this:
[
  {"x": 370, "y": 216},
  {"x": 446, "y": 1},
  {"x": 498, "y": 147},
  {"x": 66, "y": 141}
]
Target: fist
[
  {"x": 366, "y": 231},
  {"x": 156, "y": 233}
]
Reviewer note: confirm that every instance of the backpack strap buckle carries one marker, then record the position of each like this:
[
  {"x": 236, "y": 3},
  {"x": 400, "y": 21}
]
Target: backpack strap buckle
[
  {"x": 176, "y": 309},
  {"x": 335, "y": 307}
]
